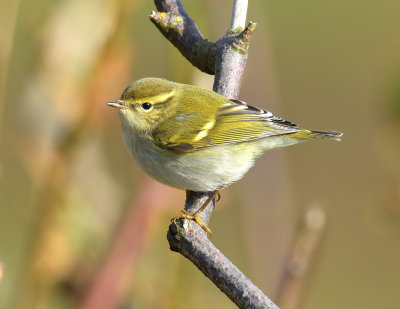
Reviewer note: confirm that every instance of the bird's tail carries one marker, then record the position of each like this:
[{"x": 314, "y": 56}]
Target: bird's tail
[{"x": 307, "y": 134}]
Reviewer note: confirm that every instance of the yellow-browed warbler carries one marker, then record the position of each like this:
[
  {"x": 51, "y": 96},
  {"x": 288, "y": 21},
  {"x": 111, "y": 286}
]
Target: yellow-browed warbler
[{"x": 191, "y": 138}]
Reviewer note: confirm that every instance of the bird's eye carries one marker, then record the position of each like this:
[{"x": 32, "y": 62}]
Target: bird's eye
[{"x": 147, "y": 106}]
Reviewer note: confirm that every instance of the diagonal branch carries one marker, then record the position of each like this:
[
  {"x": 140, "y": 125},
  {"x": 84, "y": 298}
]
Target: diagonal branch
[
  {"x": 190, "y": 240},
  {"x": 226, "y": 59},
  {"x": 177, "y": 26}
]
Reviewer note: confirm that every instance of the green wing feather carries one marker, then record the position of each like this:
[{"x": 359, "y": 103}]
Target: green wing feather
[
  {"x": 239, "y": 122},
  {"x": 179, "y": 133},
  {"x": 235, "y": 122}
]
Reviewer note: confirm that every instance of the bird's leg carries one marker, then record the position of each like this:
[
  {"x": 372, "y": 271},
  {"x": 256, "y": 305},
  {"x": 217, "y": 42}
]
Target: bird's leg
[
  {"x": 208, "y": 201},
  {"x": 196, "y": 216}
]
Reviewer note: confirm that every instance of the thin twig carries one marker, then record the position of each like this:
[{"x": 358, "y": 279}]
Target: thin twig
[
  {"x": 228, "y": 59},
  {"x": 239, "y": 14}
]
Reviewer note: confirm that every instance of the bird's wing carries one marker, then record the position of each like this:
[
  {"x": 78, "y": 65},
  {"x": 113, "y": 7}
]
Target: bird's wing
[{"x": 235, "y": 122}]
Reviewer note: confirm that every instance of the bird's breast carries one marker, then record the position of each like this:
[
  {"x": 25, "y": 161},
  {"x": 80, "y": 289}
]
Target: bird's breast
[{"x": 202, "y": 170}]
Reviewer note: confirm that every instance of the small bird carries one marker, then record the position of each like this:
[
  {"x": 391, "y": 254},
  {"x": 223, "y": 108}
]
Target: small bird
[{"x": 195, "y": 139}]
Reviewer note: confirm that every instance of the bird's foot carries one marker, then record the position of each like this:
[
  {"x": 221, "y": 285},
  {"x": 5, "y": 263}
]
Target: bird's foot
[{"x": 195, "y": 217}]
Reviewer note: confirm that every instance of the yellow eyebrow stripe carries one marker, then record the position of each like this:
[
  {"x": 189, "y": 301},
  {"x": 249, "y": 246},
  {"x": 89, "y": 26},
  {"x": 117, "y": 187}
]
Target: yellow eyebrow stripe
[{"x": 159, "y": 98}]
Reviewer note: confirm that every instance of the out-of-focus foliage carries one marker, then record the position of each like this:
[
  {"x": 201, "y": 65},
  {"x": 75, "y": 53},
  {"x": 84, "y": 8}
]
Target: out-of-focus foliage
[{"x": 72, "y": 200}]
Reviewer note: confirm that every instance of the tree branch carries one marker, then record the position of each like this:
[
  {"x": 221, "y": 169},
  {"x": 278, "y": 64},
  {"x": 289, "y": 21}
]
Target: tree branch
[
  {"x": 177, "y": 26},
  {"x": 226, "y": 59},
  {"x": 231, "y": 61}
]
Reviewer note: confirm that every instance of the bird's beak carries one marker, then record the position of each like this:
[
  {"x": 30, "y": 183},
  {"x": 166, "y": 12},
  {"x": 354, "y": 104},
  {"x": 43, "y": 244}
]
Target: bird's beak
[{"x": 118, "y": 104}]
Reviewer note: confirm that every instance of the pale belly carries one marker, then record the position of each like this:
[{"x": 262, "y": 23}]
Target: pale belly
[{"x": 202, "y": 170}]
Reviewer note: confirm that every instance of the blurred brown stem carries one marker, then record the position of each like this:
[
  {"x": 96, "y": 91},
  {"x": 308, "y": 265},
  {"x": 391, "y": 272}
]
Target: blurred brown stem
[
  {"x": 300, "y": 257},
  {"x": 227, "y": 60},
  {"x": 109, "y": 284}
]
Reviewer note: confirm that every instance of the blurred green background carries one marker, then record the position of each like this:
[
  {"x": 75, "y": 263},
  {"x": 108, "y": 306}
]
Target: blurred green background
[{"x": 78, "y": 216}]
